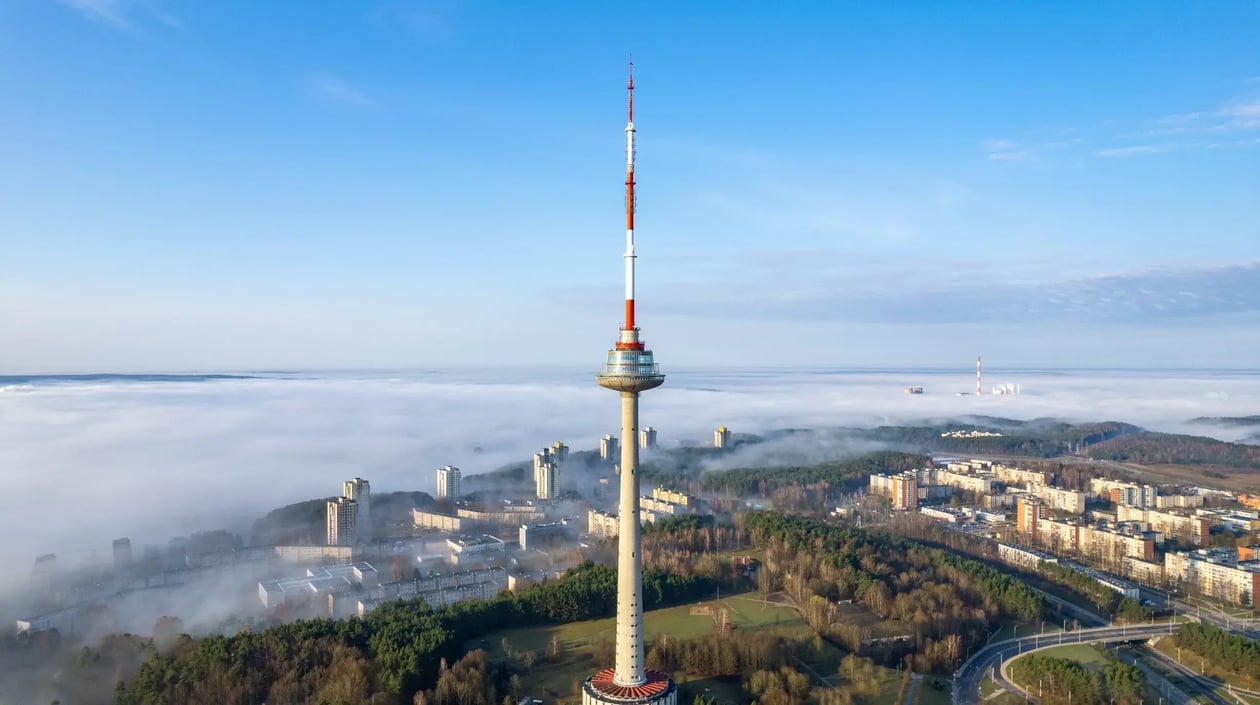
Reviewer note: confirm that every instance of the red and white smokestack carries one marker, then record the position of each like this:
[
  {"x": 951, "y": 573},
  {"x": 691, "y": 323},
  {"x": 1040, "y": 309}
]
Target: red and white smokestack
[
  {"x": 978, "y": 374},
  {"x": 629, "y": 338}
]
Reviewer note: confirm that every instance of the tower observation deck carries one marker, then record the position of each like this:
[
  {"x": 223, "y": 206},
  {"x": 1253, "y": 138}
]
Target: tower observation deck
[{"x": 629, "y": 369}]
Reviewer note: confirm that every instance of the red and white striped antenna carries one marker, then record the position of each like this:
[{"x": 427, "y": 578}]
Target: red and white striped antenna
[
  {"x": 978, "y": 374},
  {"x": 632, "y": 343}
]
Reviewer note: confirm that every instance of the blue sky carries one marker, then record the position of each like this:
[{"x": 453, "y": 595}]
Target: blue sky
[{"x": 210, "y": 185}]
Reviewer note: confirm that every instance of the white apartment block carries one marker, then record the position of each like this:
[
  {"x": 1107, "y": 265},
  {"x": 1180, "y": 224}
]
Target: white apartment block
[
  {"x": 442, "y": 522},
  {"x": 1062, "y": 500},
  {"x": 1182, "y": 527},
  {"x": 1018, "y": 476},
  {"x": 1178, "y": 501},
  {"x": 673, "y": 497},
  {"x": 981, "y": 484},
  {"x": 1217, "y": 573},
  {"x": 602, "y": 524}
]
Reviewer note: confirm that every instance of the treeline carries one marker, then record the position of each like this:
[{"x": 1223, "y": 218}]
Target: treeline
[
  {"x": 389, "y": 656},
  {"x": 842, "y": 474},
  {"x": 1229, "y": 651},
  {"x": 944, "y": 602},
  {"x": 1175, "y": 449},
  {"x": 1058, "y": 680},
  {"x": 1121, "y": 609}
]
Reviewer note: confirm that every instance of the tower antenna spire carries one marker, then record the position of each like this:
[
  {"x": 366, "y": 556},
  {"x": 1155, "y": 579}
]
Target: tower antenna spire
[{"x": 630, "y": 344}]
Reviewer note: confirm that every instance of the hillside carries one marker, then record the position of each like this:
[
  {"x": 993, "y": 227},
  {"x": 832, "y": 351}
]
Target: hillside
[{"x": 1148, "y": 448}]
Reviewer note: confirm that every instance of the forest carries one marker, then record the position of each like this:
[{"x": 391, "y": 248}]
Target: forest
[
  {"x": 931, "y": 606},
  {"x": 1229, "y": 651},
  {"x": 395, "y": 652},
  {"x": 1058, "y": 681},
  {"x": 843, "y": 474},
  {"x": 1174, "y": 449}
]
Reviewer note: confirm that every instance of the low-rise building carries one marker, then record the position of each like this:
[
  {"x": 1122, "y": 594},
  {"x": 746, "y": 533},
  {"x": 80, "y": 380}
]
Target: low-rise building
[
  {"x": 476, "y": 550},
  {"x": 1022, "y": 557},
  {"x": 436, "y": 520},
  {"x": 314, "y": 554},
  {"x": 941, "y": 513},
  {"x": 673, "y": 497},
  {"x": 534, "y": 536},
  {"x": 317, "y": 582},
  {"x": 507, "y": 513}
]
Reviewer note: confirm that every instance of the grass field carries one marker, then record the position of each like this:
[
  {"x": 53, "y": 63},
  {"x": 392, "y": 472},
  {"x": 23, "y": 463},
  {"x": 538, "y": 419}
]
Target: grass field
[
  {"x": 552, "y": 679},
  {"x": 988, "y": 687},
  {"x": 1083, "y": 654},
  {"x": 934, "y": 691}
]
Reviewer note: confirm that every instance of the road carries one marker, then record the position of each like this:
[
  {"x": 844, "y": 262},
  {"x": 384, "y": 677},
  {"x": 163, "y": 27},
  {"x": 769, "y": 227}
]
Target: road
[
  {"x": 967, "y": 679},
  {"x": 1156, "y": 680},
  {"x": 1195, "y": 683}
]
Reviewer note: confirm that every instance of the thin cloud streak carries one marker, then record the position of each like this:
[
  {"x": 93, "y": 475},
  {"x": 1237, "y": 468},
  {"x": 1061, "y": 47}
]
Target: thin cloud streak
[
  {"x": 108, "y": 12},
  {"x": 335, "y": 90}
]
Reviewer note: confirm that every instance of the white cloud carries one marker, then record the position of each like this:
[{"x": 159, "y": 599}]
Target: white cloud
[
  {"x": 1011, "y": 156},
  {"x": 110, "y": 12},
  {"x": 335, "y": 90},
  {"x": 122, "y": 14},
  {"x": 1133, "y": 150}
]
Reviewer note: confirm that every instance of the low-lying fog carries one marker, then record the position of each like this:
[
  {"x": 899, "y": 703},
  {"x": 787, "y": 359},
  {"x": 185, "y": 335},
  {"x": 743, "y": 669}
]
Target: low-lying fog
[{"x": 86, "y": 462}]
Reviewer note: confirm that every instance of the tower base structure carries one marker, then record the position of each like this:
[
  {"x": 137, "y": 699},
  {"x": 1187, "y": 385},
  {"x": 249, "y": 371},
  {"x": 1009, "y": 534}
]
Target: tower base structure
[{"x": 601, "y": 689}]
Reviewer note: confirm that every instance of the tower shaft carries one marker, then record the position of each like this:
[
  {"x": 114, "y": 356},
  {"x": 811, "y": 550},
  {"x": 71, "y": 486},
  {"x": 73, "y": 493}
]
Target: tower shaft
[{"x": 629, "y": 666}]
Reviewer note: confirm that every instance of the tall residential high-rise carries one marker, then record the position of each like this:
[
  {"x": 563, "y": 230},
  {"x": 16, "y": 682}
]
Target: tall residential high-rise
[
  {"x": 360, "y": 491},
  {"x": 647, "y": 437},
  {"x": 547, "y": 473},
  {"x": 630, "y": 368},
  {"x": 343, "y": 515},
  {"x": 722, "y": 437},
  {"x": 546, "y": 480},
  {"x": 905, "y": 490},
  {"x": 560, "y": 452},
  {"x": 608, "y": 447},
  {"x": 448, "y": 482},
  {"x": 1028, "y": 512}
]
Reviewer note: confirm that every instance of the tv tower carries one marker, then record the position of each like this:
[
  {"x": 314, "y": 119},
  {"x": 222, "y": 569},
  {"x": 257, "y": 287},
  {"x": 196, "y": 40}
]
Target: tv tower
[
  {"x": 978, "y": 392},
  {"x": 629, "y": 369}
]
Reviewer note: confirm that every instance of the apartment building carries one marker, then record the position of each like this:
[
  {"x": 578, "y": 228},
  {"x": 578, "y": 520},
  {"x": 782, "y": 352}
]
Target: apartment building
[
  {"x": 1217, "y": 573},
  {"x": 1182, "y": 527}
]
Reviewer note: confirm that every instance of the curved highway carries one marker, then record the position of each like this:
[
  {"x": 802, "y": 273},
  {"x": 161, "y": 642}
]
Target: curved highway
[{"x": 967, "y": 679}]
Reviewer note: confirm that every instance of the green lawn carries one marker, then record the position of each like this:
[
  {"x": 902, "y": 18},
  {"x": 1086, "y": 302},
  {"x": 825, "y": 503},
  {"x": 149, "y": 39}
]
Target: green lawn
[
  {"x": 1083, "y": 654},
  {"x": 554, "y": 679},
  {"x": 929, "y": 695},
  {"x": 988, "y": 687}
]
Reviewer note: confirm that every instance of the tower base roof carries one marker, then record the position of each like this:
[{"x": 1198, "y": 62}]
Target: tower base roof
[{"x": 601, "y": 688}]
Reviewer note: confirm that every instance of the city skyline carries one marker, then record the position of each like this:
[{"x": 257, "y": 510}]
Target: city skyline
[{"x": 399, "y": 185}]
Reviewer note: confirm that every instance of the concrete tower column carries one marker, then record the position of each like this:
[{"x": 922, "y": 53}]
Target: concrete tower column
[{"x": 629, "y": 666}]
